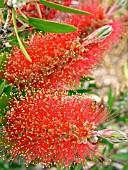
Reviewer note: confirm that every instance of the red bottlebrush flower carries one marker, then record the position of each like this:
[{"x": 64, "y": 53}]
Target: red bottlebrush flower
[
  {"x": 48, "y": 53},
  {"x": 54, "y": 129},
  {"x": 60, "y": 60}
]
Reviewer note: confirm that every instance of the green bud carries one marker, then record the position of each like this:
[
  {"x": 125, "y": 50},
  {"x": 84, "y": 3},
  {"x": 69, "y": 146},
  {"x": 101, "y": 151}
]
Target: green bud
[
  {"x": 98, "y": 35},
  {"x": 114, "y": 136}
]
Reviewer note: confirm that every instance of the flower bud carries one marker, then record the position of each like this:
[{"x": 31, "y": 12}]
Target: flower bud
[
  {"x": 114, "y": 136},
  {"x": 98, "y": 35}
]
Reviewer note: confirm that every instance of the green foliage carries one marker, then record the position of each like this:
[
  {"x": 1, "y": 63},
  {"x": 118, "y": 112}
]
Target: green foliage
[
  {"x": 14, "y": 165},
  {"x": 87, "y": 86},
  {"x": 125, "y": 167},
  {"x": 3, "y": 59},
  {"x": 111, "y": 98},
  {"x": 120, "y": 156},
  {"x": 18, "y": 38},
  {"x": 3, "y": 101},
  {"x": 63, "y": 8},
  {"x": 79, "y": 167},
  {"x": 2, "y": 86},
  {"x": 48, "y": 26},
  {"x": 122, "y": 108},
  {"x": 5, "y": 95},
  {"x": 1, "y": 3}
]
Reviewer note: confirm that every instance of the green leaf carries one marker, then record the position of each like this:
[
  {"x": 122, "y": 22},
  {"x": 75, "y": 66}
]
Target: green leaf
[
  {"x": 120, "y": 156},
  {"x": 2, "y": 166},
  {"x": 58, "y": 167},
  {"x": 125, "y": 67},
  {"x": 2, "y": 4},
  {"x": 4, "y": 100},
  {"x": 8, "y": 90},
  {"x": 3, "y": 59},
  {"x": 126, "y": 121},
  {"x": 49, "y": 26},
  {"x": 111, "y": 98},
  {"x": 110, "y": 145},
  {"x": 5, "y": 91},
  {"x": 125, "y": 167},
  {"x": 95, "y": 168},
  {"x": 18, "y": 38},
  {"x": 2, "y": 86},
  {"x": 63, "y": 8},
  {"x": 79, "y": 166}
]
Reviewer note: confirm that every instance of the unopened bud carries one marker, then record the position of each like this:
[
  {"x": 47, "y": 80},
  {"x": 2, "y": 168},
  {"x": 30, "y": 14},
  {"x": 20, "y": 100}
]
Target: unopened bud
[
  {"x": 98, "y": 35},
  {"x": 113, "y": 136}
]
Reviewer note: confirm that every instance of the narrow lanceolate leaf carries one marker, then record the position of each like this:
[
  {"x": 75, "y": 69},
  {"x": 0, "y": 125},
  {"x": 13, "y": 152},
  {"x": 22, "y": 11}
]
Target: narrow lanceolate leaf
[
  {"x": 8, "y": 91},
  {"x": 120, "y": 156},
  {"x": 111, "y": 98},
  {"x": 3, "y": 59},
  {"x": 2, "y": 86},
  {"x": 4, "y": 100},
  {"x": 2, "y": 4},
  {"x": 18, "y": 38},
  {"x": 49, "y": 26},
  {"x": 63, "y": 8}
]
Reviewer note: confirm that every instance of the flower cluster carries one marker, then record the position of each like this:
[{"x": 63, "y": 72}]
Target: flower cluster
[
  {"x": 49, "y": 126},
  {"x": 54, "y": 129}
]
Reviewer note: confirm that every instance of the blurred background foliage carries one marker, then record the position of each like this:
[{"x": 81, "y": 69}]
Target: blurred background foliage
[{"x": 108, "y": 83}]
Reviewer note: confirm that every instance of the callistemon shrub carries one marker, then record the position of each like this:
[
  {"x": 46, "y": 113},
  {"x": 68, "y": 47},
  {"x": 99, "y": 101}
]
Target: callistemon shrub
[
  {"x": 59, "y": 129},
  {"x": 47, "y": 126},
  {"x": 59, "y": 60}
]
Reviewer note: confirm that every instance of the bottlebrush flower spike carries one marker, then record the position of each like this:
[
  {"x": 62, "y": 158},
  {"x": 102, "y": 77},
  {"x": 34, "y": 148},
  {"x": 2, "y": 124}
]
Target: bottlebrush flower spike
[
  {"x": 54, "y": 129},
  {"x": 49, "y": 54},
  {"x": 60, "y": 60}
]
